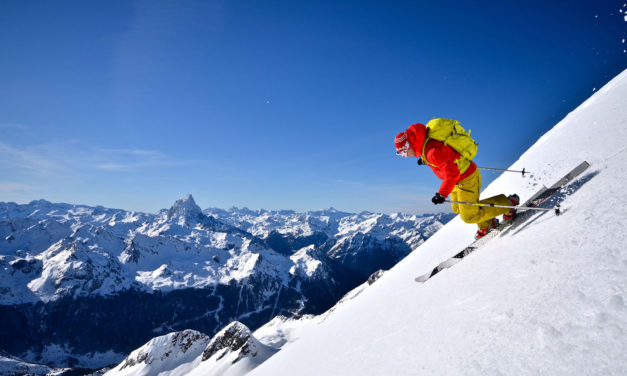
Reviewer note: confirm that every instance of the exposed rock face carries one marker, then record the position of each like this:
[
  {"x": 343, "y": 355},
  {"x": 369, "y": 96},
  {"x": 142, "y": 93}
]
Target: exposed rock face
[
  {"x": 185, "y": 211},
  {"x": 375, "y": 276},
  {"x": 233, "y": 351},
  {"x": 164, "y": 347},
  {"x": 236, "y": 336}
]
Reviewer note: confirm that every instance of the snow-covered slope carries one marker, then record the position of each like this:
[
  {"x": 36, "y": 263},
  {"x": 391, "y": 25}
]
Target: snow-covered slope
[{"x": 548, "y": 298}]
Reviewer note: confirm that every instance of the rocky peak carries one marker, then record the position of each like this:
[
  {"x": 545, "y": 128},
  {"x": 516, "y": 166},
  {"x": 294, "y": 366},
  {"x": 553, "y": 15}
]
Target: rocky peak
[
  {"x": 160, "y": 348},
  {"x": 235, "y": 336},
  {"x": 185, "y": 211},
  {"x": 375, "y": 276}
]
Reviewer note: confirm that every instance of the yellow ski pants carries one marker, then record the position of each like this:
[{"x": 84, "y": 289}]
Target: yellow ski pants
[{"x": 468, "y": 190}]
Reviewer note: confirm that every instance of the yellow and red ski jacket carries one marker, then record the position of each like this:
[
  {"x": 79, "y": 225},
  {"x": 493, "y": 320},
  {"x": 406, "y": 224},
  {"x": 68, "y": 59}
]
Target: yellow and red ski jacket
[{"x": 441, "y": 158}]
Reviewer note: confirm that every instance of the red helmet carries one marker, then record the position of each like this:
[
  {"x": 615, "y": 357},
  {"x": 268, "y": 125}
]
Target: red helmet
[{"x": 401, "y": 143}]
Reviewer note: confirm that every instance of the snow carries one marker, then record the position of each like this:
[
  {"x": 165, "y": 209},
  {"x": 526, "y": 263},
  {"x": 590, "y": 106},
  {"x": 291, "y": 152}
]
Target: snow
[
  {"x": 547, "y": 298},
  {"x": 233, "y": 351},
  {"x": 10, "y": 365},
  {"x": 282, "y": 330},
  {"x": 304, "y": 263},
  {"x": 174, "y": 353},
  {"x": 50, "y": 353}
]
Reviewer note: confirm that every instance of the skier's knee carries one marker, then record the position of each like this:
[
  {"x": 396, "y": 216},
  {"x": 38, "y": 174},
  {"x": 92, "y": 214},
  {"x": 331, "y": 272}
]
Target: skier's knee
[{"x": 467, "y": 217}]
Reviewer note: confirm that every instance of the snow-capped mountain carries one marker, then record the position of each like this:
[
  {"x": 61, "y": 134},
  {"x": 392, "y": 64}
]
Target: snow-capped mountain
[
  {"x": 164, "y": 353},
  {"x": 232, "y": 351},
  {"x": 381, "y": 239},
  {"x": 83, "y": 286}
]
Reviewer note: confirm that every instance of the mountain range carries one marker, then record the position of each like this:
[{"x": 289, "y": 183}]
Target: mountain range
[{"x": 83, "y": 286}]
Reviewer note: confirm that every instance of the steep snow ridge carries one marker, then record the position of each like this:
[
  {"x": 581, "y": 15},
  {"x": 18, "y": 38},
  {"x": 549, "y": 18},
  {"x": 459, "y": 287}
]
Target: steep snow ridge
[
  {"x": 163, "y": 354},
  {"x": 547, "y": 298},
  {"x": 233, "y": 351}
]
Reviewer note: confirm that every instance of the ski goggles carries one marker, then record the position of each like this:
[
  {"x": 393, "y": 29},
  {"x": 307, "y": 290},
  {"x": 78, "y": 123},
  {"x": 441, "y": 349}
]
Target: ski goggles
[{"x": 402, "y": 151}]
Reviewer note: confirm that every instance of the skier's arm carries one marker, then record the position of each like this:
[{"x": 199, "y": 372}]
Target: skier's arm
[
  {"x": 451, "y": 172},
  {"x": 444, "y": 158}
]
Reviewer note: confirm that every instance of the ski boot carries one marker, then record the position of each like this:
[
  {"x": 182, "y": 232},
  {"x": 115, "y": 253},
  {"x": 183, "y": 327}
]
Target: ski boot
[
  {"x": 484, "y": 231},
  {"x": 515, "y": 201}
]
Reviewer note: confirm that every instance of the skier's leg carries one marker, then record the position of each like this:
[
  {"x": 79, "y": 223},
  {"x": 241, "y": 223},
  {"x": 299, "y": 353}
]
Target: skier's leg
[
  {"x": 485, "y": 224},
  {"x": 455, "y": 197},
  {"x": 492, "y": 212},
  {"x": 468, "y": 191}
]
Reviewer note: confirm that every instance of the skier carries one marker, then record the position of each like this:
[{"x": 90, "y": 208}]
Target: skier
[{"x": 460, "y": 178}]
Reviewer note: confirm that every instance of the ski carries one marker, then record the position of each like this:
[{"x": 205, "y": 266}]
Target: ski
[{"x": 535, "y": 201}]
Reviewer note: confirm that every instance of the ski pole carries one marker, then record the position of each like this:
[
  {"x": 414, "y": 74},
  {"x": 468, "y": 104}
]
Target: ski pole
[
  {"x": 502, "y": 169},
  {"x": 556, "y": 209},
  {"x": 421, "y": 162}
]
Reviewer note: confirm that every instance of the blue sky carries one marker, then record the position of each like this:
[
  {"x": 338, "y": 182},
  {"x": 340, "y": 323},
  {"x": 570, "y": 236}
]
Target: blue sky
[{"x": 280, "y": 104}]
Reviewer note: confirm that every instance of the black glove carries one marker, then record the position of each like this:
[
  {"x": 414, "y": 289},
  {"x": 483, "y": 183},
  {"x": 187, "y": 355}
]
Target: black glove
[
  {"x": 438, "y": 199},
  {"x": 420, "y": 161}
]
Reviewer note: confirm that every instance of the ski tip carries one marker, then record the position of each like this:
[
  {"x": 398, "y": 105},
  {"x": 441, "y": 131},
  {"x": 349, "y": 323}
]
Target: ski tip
[{"x": 421, "y": 279}]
